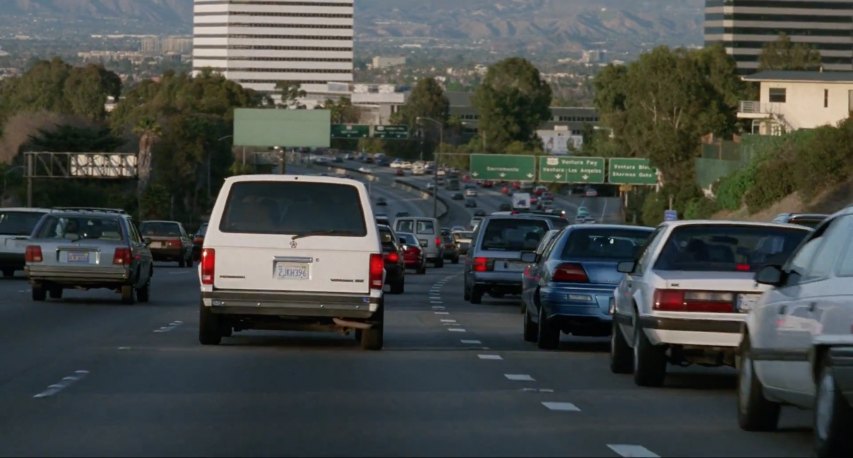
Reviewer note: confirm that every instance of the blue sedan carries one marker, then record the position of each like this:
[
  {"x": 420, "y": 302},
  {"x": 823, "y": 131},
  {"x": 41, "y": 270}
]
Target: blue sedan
[{"x": 569, "y": 286}]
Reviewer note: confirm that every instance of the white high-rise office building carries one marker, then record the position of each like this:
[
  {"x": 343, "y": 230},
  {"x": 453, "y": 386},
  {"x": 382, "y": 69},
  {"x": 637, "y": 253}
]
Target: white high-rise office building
[{"x": 259, "y": 43}]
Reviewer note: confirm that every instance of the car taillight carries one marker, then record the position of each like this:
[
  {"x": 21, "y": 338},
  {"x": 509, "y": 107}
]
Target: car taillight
[
  {"x": 33, "y": 254},
  {"x": 392, "y": 257},
  {"x": 694, "y": 301},
  {"x": 198, "y": 240},
  {"x": 570, "y": 273},
  {"x": 377, "y": 268},
  {"x": 174, "y": 243},
  {"x": 122, "y": 256},
  {"x": 481, "y": 264},
  {"x": 208, "y": 266},
  {"x": 438, "y": 242}
]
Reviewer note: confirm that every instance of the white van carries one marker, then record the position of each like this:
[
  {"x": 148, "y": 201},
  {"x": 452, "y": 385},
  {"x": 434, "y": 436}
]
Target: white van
[
  {"x": 288, "y": 252},
  {"x": 428, "y": 232},
  {"x": 16, "y": 224}
]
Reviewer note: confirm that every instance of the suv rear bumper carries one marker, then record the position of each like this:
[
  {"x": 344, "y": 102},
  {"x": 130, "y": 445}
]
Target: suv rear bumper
[
  {"x": 303, "y": 305},
  {"x": 78, "y": 276}
]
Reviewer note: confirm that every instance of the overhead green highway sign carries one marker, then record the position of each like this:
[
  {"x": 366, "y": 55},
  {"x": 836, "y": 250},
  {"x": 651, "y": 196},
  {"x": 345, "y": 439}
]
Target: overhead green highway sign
[
  {"x": 391, "y": 132},
  {"x": 503, "y": 167},
  {"x": 632, "y": 171},
  {"x": 553, "y": 169},
  {"x": 350, "y": 131}
]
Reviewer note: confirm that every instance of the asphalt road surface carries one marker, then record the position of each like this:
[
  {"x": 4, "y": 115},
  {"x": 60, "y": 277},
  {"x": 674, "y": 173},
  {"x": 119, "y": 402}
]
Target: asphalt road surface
[{"x": 88, "y": 376}]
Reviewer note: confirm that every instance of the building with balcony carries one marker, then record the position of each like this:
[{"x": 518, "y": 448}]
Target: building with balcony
[
  {"x": 792, "y": 100},
  {"x": 743, "y": 27}
]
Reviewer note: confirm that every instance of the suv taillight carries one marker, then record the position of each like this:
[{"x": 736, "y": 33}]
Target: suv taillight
[
  {"x": 122, "y": 256},
  {"x": 481, "y": 264},
  {"x": 208, "y": 265},
  {"x": 670, "y": 300},
  {"x": 438, "y": 243},
  {"x": 33, "y": 254},
  {"x": 377, "y": 268},
  {"x": 570, "y": 273}
]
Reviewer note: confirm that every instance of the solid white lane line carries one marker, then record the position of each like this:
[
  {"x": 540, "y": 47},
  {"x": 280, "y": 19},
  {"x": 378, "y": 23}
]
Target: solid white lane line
[
  {"x": 471, "y": 342},
  {"x": 519, "y": 377},
  {"x": 63, "y": 384},
  {"x": 456, "y": 330},
  {"x": 632, "y": 451},
  {"x": 490, "y": 357},
  {"x": 561, "y": 406}
]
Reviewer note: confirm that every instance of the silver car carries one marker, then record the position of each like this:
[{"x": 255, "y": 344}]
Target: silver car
[
  {"x": 797, "y": 346},
  {"x": 88, "y": 249}
]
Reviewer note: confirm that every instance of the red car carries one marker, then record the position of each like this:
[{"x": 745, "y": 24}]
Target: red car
[
  {"x": 413, "y": 256},
  {"x": 488, "y": 184}
]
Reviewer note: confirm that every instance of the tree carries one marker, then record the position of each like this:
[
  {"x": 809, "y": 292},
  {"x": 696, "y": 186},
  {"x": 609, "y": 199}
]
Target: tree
[
  {"x": 342, "y": 111},
  {"x": 783, "y": 54},
  {"x": 427, "y": 100},
  {"x": 290, "y": 94},
  {"x": 86, "y": 90},
  {"x": 512, "y": 101}
]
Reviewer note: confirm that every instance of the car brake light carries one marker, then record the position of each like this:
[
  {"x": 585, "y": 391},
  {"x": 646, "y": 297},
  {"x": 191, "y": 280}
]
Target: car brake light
[
  {"x": 438, "y": 242},
  {"x": 694, "y": 301},
  {"x": 570, "y": 273},
  {"x": 208, "y": 266},
  {"x": 122, "y": 257},
  {"x": 175, "y": 243},
  {"x": 33, "y": 254},
  {"x": 481, "y": 264},
  {"x": 392, "y": 257},
  {"x": 377, "y": 268},
  {"x": 742, "y": 267}
]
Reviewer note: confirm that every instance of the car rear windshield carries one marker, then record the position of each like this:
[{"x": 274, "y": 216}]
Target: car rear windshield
[
  {"x": 74, "y": 228},
  {"x": 160, "y": 229},
  {"x": 409, "y": 238},
  {"x": 421, "y": 226},
  {"x": 727, "y": 248},
  {"x": 603, "y": 243},
  {"x": 293, "y": 208},
  {"x": 202, "y": 230},
  {"x": 18, "y": 223},
  {"x": 386, "y": 237},
  {"x": 513, "y": 234}
]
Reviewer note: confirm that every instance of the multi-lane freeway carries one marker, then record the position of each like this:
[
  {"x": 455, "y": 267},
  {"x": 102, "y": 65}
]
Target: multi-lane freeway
[{"x": 89, "y": 376}]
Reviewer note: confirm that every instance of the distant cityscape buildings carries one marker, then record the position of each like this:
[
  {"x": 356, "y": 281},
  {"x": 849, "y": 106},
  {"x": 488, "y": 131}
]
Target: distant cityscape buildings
[
  {"x": 745, "y": 26},
  {"x": 155, "y": 46},
  {"x": 261, "y": 43},
  {"x": 380, "y": 62}
]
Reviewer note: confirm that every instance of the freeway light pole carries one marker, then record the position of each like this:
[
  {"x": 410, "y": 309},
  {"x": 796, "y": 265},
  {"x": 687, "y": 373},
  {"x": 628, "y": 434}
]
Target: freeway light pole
[{"x": 436, "y": 157}]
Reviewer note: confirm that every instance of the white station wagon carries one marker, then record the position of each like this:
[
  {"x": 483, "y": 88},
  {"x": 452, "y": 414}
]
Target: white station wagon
[
  {"x": 286, "y": 252},
  {"x": 685, "y": 298}
]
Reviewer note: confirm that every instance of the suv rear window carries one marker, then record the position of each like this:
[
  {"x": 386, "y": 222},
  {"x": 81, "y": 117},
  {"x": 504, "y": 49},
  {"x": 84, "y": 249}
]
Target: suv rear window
[
  {"x": 727, "y": 248},
  {"x": 293, "y": 208},
  {"x": 18, "y": 223},
  {"x": 604, "y": 243},
  {"x": 80, "y": 228},
  {"x": 159, "y": 228},
  {"x": 515, "y": 234}
]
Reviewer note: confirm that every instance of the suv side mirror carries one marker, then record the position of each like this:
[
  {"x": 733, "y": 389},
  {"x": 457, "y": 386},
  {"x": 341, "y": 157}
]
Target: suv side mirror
[
  {"x": 770, "y": 275},
  {"x": 529, "y": 257},
  {"x": 146, "y": 241},
  {"x": 626, "y": 267}
]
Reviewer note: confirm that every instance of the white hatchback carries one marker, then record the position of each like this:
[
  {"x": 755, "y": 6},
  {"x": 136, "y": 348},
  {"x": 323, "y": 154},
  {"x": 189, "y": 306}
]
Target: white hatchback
[
  {"x": 286, "y": 252},
  {"x": 684, "y": 299}
]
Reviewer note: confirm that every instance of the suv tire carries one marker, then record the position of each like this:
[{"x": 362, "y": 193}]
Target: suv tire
[
  {"x": 649, "y": 360},
  {"x": 549, "y": 335},
  {"x": 39, "y": 293},
  {"x": 209, "y": 329},
  {"x": 754, "y": 411},
  {"x": 621, "y": 355},
  {"x": 373, "y": 339},
  {"x": 833, "y": 415}
]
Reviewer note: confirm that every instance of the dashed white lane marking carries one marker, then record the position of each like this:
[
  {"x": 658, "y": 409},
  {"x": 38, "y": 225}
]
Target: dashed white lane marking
[
  {"x": 471, "y": 342},
  {"x": 438, "y": 307},
  {"x": 490, "y": 357},
  {"x": 24, "y": 291},
  {"x": 456, "y": 330},
  {"x": 632, "y": 451},
  {"x": 537, "y": 390},
  {"x": 519, "y": 377},
  {"x": 448, "y": 321},
  {"x": 123, "y": 348},
  {"x": 169, "y": 327},
  {"x": 561, "y": 406},
  {"x": 63, "y": 384},
  {"x": 442, "y": 313}
]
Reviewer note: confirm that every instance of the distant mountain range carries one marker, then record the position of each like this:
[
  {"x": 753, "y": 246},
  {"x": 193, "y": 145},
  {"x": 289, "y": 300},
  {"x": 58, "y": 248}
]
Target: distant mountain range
[{"x": 523, "y": 24}]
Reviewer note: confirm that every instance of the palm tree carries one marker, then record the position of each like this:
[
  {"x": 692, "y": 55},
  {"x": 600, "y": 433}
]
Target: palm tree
[{"x": 149, "y": 132}]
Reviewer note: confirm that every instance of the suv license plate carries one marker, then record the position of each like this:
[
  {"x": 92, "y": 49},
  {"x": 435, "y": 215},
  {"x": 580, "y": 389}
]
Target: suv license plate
[
  {"x": 78, "y": 257},
  {"x": 292, "y": 271}
]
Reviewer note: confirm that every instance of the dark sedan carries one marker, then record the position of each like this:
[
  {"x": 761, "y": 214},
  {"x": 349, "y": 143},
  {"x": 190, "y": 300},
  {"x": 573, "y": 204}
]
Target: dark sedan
[
  {"x": 198, "y": 241},
  {"x": 395, "y": 265}
]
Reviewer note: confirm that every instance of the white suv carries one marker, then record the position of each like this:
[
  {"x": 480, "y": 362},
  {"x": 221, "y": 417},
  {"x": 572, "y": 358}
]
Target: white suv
[
  {"x": 16, "y": 224},
  {"x": 285, "y": 252},
  {"x": 685, "y": 298}
]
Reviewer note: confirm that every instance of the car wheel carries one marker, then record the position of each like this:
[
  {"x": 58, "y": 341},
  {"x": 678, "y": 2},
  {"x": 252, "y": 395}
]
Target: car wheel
[
  {"x": 531, "y": 329},
  {"x": 833, "y": 416},
  {"x": 39, "y": 293},
  {"x": 754, "y": 412},
  {"x": 209, "y": 329},
  {"x": 649, "y": 360},
  {"x": 128, "y": 294},
  {"x": 466, "y": 293},
  {"x": 399, "y": 286},
  {"x": 373, "y": 338},
  {"x": 456, "y": 259},
  {"x": 422, "y": 269},
  {"x": 8, "y": 273},
  {"x": 189, "y": 262},
  {"x": 182, "y": 262},
  {"x": 476, "y": 295},
  {"x": 225, "y": 328},
  {"x": 55, "y": 292},
  {"x": 143, "y": 293},
  {"x": 439, "y": 263},
  {"x": 621, "y": 355},
  {"x": 549, "y": 335}
]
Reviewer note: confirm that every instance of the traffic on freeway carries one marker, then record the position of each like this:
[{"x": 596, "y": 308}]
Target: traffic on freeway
[{"x": 332, "y": 315}]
